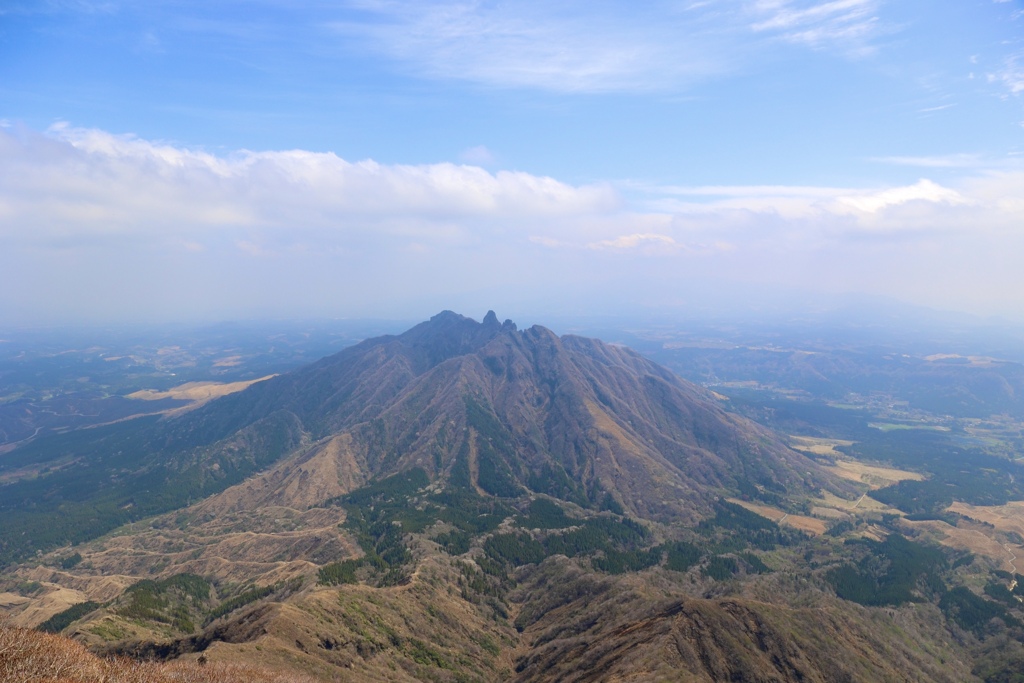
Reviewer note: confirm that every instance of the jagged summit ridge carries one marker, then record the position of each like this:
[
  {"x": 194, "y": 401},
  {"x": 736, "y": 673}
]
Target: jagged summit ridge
[{"x": 447, "y": 335}]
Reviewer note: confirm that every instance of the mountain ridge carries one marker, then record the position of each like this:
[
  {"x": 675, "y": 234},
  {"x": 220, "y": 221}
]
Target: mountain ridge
[{"x": 571, "y": 408}]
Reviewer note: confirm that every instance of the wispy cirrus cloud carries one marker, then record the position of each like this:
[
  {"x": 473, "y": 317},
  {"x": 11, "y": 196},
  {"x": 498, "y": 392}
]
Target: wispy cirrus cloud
[
  {"x": 563, "y": 46},
  {"x": 938, "y": 161},
  {"x": 850, "y": 25},
  {"x": 573, "y": 46},
  {"x": 1010, "y": 74}
]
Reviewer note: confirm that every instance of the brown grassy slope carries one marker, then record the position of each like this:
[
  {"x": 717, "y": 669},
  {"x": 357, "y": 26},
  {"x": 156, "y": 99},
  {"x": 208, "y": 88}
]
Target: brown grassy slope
[
  {"x": 264, "y": 530},
  {"x": 566, "y": 623},
  {"x": 28, "y": 656},
  {"x": 581, "y": 627},
  {"x": 423, "y": 630}
]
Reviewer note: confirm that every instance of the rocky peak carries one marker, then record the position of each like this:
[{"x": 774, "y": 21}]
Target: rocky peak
[{"x": 449, "y": 335}]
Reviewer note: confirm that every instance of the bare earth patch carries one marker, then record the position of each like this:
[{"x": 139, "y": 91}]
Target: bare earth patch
[{"x": 829, "y": 512}]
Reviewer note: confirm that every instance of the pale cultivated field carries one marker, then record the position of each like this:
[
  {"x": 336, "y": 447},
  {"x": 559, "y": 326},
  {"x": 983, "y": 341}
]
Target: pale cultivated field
[
  {"x": 196, "y": 391},
  {"x": 809, "y": 524},
  {"x": 973, "y": 540},
  {"x": 810, "y": 444},
  {"x": 875, "y": 476},
  {"x": 843, "y": 507},
  {"x": 1005, "y": 518},
  {"x": 830, "y": 512}
]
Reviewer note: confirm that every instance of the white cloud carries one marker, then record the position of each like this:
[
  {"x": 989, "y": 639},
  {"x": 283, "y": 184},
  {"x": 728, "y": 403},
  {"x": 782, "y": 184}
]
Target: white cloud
[
  {"x": 636, "y": 240},
  {"x": 982, "y": 206},
  {"x": 744, "y": 190},
  {"x": 91, "y": 220},
  {"x": 75, "y": 185},
  {"x": 923, "y": 190},
  {"x": 80, "y": 184}
]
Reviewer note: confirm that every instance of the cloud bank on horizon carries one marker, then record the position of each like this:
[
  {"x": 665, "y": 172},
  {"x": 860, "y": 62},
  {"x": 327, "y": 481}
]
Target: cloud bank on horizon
[
  {"x": 522, "y": 155},
  {"x": 297, "y": 226}
]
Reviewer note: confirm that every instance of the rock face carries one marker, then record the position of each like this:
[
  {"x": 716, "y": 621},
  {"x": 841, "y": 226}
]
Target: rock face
[{"x": 504, "y": 411}]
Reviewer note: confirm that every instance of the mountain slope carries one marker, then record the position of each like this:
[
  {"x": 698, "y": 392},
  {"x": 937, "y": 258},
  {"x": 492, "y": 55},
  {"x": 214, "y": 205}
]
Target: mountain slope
[{"x": 585, "y": 628}]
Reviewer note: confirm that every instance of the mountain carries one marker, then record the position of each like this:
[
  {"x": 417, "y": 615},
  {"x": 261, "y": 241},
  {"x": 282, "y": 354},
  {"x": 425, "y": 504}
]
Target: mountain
[
  {"x": 502, "y": 411},
  {"x": 471, "y": 501}
]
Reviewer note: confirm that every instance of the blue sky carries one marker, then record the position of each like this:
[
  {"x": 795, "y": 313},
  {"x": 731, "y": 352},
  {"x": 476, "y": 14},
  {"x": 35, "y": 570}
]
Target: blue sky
[{"x": 230, "y": 159}]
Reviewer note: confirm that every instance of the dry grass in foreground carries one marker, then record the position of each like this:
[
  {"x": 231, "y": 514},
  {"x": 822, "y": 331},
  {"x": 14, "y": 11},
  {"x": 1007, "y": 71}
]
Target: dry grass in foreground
[{"x": 27, "y": 656}]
